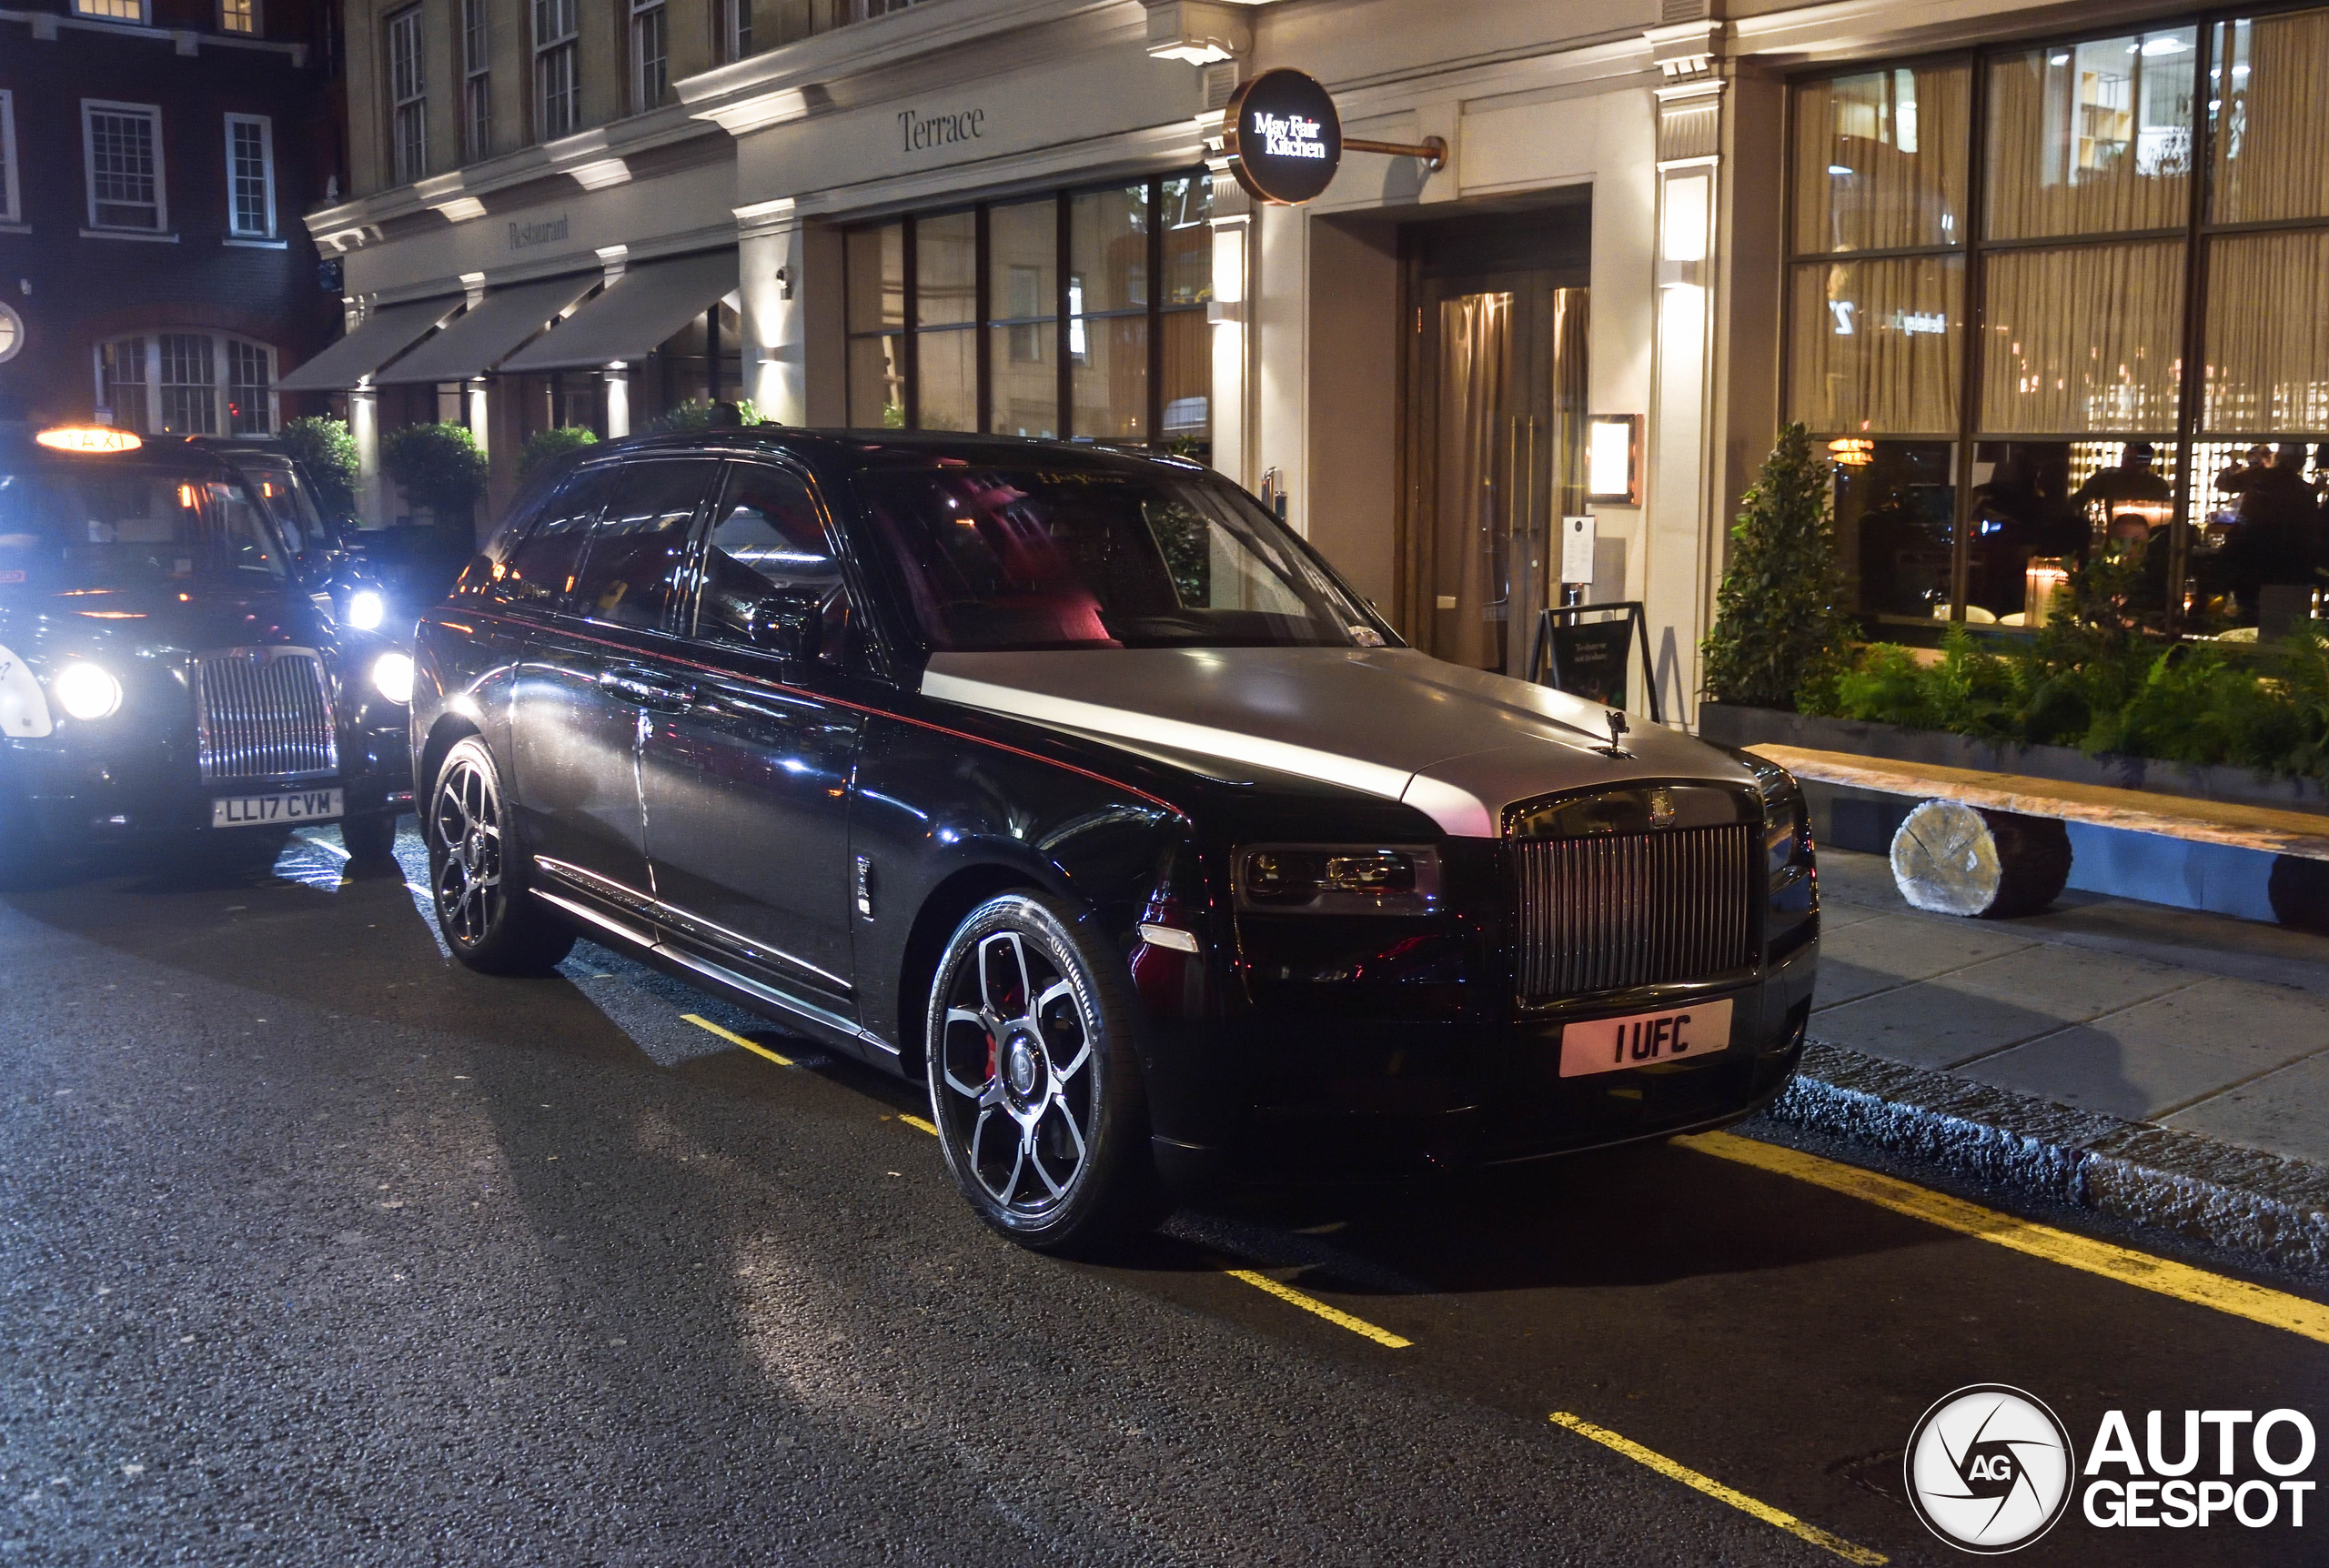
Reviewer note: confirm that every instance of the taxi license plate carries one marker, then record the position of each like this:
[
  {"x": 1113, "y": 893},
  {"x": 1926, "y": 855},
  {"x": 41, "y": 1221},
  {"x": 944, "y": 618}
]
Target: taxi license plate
[
  {"x": 275, "y": 810},
  {"x": 1640, "y": 1039}
]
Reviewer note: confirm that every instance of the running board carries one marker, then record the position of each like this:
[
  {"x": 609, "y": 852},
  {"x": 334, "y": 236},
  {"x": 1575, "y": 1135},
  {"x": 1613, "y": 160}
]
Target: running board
[{"x": 829, "y": 1026}]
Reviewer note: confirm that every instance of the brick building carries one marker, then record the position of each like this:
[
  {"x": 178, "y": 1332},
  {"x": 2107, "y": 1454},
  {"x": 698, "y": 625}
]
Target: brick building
[{"x": 155, "y": 156}]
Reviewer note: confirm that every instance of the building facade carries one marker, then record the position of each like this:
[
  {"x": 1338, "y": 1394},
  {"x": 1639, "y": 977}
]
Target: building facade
[
  {"x": 155, "y": 156},
  {"x": 2031, "y": 286}
]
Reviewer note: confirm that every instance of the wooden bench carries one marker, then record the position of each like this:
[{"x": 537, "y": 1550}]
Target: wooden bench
[{"x": 1993, "y": 845}]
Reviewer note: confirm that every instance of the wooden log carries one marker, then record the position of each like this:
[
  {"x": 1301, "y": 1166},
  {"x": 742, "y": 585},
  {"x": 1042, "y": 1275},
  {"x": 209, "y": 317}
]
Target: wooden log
[{"x": 1960, "y": 859}]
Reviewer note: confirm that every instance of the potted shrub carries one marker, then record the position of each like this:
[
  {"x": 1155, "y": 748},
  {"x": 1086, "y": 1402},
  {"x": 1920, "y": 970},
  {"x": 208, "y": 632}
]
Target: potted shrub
[
  {"x": 326, "y": 450},
  {"x": 1780, "y": 624},
  {"x": 437, "y": 467},
  {"x": 547, "y": 446}
]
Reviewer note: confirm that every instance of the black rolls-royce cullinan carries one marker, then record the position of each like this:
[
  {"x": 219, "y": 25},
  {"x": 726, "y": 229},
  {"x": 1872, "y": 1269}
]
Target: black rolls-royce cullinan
[
  {"x": 186, "y": 657},
  {"x": 1072, "y": 784}
]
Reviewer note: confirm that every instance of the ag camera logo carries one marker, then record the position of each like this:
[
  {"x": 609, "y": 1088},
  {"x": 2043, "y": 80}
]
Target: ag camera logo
[{"x": 1990, "y": 1468}]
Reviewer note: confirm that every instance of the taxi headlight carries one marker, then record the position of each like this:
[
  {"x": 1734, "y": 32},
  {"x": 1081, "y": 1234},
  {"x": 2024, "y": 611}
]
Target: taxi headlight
[
  {"x": 85, "y": 690},
  {"x": 392, "y": 677},
  {"x": 366, "y": 610}
]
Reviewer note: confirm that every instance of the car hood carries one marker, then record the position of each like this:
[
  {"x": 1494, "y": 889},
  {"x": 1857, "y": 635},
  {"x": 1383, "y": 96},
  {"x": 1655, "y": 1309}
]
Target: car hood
[
  {"x": 1459, "y": 744},
  {"x": 185, "y": 617}
]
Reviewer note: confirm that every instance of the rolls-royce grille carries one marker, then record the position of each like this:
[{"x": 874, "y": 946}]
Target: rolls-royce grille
[
  {"x": 1606, "y": 911},
  {"x": 263, "y": 713}
]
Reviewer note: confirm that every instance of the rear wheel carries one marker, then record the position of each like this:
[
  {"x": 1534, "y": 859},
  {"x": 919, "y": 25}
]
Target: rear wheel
[
  {"x": 477, "y": 875},
  {"x": 1035, "y": 1083}
]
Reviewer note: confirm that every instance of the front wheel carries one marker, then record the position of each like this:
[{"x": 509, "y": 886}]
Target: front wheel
[
  {"x": 1035, "y": 1083},
  {"x": 476, "y": 874},
  {"x": 370, "y": 841}
]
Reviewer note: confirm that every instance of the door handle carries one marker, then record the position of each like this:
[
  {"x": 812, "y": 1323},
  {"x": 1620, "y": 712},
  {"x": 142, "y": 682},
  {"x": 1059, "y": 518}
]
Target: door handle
[{"x": 648, "y": 688}]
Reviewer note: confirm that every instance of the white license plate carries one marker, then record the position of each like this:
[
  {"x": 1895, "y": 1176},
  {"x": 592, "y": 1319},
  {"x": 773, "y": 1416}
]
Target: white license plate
[
  {"x": 1640, "y": 1039},
  {"x": 275, "y": 810}
]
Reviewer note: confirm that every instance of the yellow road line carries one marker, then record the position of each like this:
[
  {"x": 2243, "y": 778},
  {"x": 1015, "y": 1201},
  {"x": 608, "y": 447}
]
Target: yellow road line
[
  {"x": 917, "y": 1121},
  {"x": 1340, "y": 1318},
  {"x": 734, "y": 1039},
  {"x": 2274, "y": 1309},
  {"x": 1717, "y": 1491}
]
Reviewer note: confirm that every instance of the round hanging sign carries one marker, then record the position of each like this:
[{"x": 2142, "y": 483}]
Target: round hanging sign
[{"x": 1283, "y": 137}]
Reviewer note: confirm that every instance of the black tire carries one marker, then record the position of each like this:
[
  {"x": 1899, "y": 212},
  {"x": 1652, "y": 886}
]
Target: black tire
[
  {"x": 370, "y": 841},
  {"x": 477, "y": 880},
  {"x": 1032, "y": 1034}
]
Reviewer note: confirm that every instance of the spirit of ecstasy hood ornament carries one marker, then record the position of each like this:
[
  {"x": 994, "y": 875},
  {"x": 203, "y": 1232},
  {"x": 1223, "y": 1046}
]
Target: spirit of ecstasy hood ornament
[{"x": 1617, "y": 726}]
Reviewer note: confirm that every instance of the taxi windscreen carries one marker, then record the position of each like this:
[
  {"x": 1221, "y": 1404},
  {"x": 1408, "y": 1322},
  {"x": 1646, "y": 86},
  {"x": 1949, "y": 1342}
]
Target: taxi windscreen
[{"x": 119, "y": 527}]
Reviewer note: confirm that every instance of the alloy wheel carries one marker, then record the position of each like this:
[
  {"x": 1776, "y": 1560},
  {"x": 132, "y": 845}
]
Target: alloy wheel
[
  {"x": 464, "y": 823},
  {"x": 1017, "y": 1062}
]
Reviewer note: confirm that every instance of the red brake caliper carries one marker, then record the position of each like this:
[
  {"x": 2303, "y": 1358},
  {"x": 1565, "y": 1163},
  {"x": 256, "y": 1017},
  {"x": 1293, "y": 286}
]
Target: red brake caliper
[{"x": 992, "y": 1062}]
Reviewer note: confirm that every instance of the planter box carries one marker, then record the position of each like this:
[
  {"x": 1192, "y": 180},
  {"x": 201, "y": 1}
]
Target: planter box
[{"x": 1730, "y": 725}]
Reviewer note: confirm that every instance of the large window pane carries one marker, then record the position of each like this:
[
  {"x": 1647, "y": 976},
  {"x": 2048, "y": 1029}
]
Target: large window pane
[
  {"x": 1880, "y": 160},
  {"x": 1896, "y": 511},
  {"x": 1110, "y": 356},
  {"x": 2082, "y": 339},
  {"x": 1187, "y": 392},
  {"x": 1185, "y": 217},
  {"x": 2272, "y": 156},
  {"x": 877, "y": 277},
  {"x": 1874, "y": 345},
  {"x": 946, "y": 269},
  {"x": 1026, "y": 380},
  {"x": 1108, "y": 250},
  {"x": 877, "y": 382},
  {"x": 2268, "y": 333},
  {"x": 948, "y": 366},
  {"x": 1023, "y": 262},
  {"x": 2092, "y": 138}
]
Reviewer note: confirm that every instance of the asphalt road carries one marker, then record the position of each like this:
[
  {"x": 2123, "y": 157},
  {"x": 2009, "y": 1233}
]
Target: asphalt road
[{"x": 317, "y": 1249}]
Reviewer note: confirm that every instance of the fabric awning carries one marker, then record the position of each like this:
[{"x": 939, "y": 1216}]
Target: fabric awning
[
  {"x": 378, "y": 338},
  {"x": 638, "y": 310},
  {"x": 482, "y": 337}
]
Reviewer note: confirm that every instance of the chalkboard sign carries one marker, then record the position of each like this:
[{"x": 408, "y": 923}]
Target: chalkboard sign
[
  {"x": 1591, "y": 660},
  {"x": 1283, "y": 139}
]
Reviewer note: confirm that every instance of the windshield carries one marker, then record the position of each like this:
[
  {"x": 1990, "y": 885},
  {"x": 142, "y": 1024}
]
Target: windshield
[
  {"x": 123, "y": 527},
  {"x": 1029, "y": 558},
  {"x": 286, "y": 498}
]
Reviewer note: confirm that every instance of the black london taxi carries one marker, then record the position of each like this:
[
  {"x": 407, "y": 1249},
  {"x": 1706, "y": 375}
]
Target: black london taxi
[
  {"x": 181, "y": 662},
  {"x": 1072, "y": 784}
]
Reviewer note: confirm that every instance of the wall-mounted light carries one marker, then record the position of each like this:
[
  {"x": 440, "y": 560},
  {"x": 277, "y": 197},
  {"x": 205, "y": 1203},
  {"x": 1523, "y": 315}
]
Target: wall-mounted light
[
  {"x": 784, "y": 283},
  {"x": 1613, "y": 460},
  {"x": 1684, "y": 230}
]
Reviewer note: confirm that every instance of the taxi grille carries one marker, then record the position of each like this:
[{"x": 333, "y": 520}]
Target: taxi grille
[
  {"x": 1606, "y": 911},
  {"x": 263, "y": 713}
]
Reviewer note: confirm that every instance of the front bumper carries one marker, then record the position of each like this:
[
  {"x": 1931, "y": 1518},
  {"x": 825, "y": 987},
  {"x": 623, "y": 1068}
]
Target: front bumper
[
  {"x": 93, "y": 790},
  {"x": 1270, "y": 1097}
]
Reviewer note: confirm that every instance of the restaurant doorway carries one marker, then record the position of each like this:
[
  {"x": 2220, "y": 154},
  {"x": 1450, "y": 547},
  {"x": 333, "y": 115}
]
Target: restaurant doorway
[{"x": 1497, "y": 309}]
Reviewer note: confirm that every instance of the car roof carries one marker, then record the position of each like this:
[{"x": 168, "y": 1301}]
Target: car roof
[
  {"x": 171, "y": 454},
  {"x": 876, "y": 449}
]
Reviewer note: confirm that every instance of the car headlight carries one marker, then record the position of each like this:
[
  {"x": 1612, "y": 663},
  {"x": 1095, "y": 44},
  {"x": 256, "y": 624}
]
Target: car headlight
[
  {"x": 392, "y": 677},
  {"x": 366, "y": 610},
  {"x": 85, "y": 690},
  {"x": 1332, "y": 880},
  {"x": 1786, "y": 820}
]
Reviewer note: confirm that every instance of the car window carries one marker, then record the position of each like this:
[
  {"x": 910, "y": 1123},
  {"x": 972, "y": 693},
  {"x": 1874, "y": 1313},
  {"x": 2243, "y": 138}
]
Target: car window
[
  {"x": 80, "y": 528},
  {"x": 632, "y": 568},
  {"x": 540, "y": 571},
  {"x": 287, "y": 499},
  {"x": 248, "y": 543},
  {"x": 766, "y": 537}
]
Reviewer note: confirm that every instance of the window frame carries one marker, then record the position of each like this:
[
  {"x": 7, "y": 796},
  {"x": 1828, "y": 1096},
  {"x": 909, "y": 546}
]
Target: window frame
[
  {"x": 649, "y": 88},
  {"x": 152, "y": 114},
  {"x": 250, "y": 9},
  {"x": 563, "y": 51},
  {"x": 265, "y": 124},
  {"x": 1062, "y": 327},
  {"x": 148, "y": 362},
  {"x": 415, "y": 103},
  {"x": 477, "y": 80},
  {"x": 2195, "y": 232},
  {"x": 12, "y": 208},
  {"x": 91, "y": 9},
  {"x": 731, "y": 31}
]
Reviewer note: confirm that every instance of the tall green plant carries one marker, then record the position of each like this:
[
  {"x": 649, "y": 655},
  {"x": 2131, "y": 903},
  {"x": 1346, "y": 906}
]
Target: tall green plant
[
  {"x": 438, "y": 465},
  {"x": 1779, "y": 618},
  {"x": 326, "y": 450},
  {"x": 543, "y": 446},
  {"x": 702, "y": 415}
]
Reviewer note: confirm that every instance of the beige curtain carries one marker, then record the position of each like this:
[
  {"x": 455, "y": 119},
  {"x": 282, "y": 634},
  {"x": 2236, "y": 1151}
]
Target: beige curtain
[
  {"x": 2268, "y": 334},
  {"x": 2082, "y": 339},
  {"x": 1474, "y": 474},
  {"x": 1570, "y": 320},
  {"x": 2271, "y": 145},
  {"x": 1873, "y": 346},
  {"x": 2092, "y": 138},
  {"x": 1879, "y": 159}
]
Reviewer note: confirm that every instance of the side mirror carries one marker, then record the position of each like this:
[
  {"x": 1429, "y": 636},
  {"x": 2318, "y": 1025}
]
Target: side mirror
[{"x": 790, "y": 624}]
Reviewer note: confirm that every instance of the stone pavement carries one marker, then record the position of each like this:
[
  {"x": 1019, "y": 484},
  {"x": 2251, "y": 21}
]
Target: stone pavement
[
  {"x": 2165, "y": 1067},
  {"x": 2183, "y": 1020}
]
